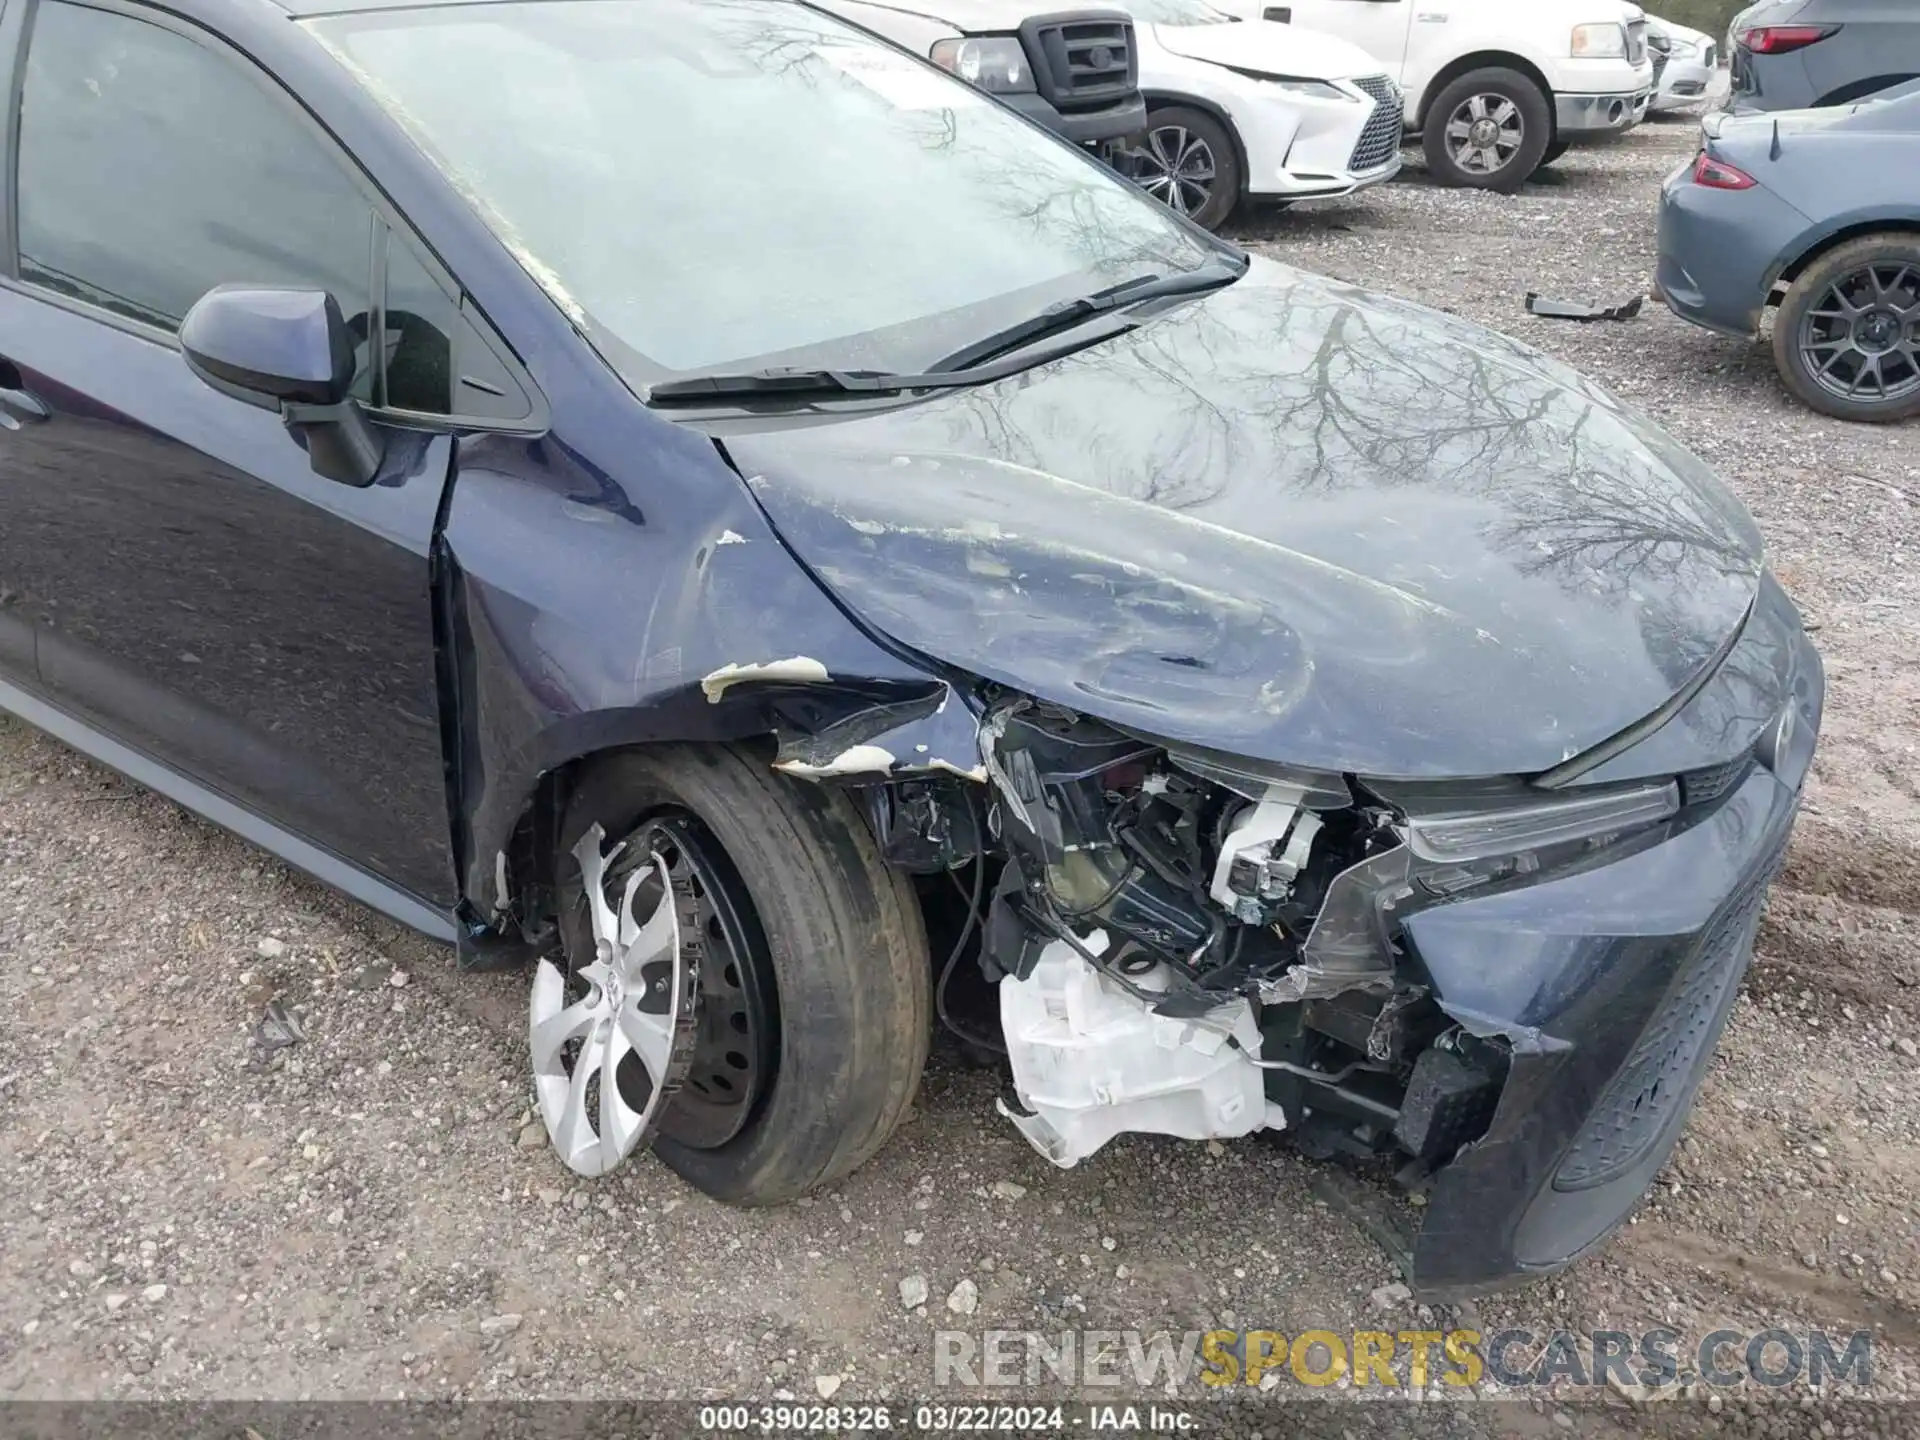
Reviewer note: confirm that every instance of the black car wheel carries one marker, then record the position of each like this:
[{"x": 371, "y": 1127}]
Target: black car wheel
[
  {"x": 1554, "y": 151},
  {"x": 1488, "y": 130},
  {"x": 805, "y": 956},
  {"x": 1847, "y": 338},
  {"x": 1188, "y": 163}
]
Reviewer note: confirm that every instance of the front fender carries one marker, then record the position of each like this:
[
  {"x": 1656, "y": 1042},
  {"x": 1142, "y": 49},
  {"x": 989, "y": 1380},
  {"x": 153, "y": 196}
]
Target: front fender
[{"x": 586, "y": 603}]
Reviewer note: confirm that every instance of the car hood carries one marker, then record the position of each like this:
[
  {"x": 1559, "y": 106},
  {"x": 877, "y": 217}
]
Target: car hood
[
  {"x": 1268, "y": 48},
  {"x": 1295, "y": 520}
]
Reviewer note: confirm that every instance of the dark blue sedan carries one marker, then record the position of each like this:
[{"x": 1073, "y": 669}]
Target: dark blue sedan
[{"x": 686, "y": 499}]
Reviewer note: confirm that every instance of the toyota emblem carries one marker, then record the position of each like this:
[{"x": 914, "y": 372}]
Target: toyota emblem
[{"x": 1100, "y": 57}]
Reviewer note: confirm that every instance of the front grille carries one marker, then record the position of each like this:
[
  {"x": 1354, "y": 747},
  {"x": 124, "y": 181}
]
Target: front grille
[
  {"x": 1698, "y": 787},
  {"x": 1663, "y": 1070},
  {"x": 1082, "y": 60},
  {"x": 1379, "y": 138}
]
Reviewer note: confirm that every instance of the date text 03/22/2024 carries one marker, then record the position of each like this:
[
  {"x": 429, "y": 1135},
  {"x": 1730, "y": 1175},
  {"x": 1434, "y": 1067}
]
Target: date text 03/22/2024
[{"x": 944, "y": 1419}]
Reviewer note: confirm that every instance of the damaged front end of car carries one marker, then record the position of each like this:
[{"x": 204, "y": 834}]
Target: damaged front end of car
[
  {"x": 1368, "y": 730},
  {"x": 1503, "y": 991}
]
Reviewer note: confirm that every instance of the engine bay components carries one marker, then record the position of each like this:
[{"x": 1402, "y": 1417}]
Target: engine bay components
[
  {"x": 1184, "y": 942},
  {"x": 1091, "y": 1058}
]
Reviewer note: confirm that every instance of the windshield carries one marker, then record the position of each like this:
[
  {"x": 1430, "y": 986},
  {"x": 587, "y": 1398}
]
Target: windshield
[
  {"x": 1177, "y": 12},
  {"x": 703, "y": 183}
]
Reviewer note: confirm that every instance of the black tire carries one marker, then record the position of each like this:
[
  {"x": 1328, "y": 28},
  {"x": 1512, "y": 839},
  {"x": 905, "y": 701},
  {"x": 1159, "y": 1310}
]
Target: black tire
[
  {"x": 1172, "y": 132},
  {"x": 844, "y": 947},
  {"x": 1529, "y": 124},
  {"x": 1554, "y": 151},
  {"x": 1809, "y": 350}
]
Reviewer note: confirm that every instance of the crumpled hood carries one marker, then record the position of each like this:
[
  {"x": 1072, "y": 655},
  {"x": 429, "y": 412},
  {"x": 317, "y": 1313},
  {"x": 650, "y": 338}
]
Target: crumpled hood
[
  {"x": 1270, "y": 49},
  {"x": 1295, "y": 520}
]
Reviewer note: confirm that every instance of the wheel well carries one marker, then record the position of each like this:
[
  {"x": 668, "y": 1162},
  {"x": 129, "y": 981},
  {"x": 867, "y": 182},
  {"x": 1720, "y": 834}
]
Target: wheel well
[
  {"x": 530, "y": 850},
  {"x": 1205, "y": 107},
  {"x": 1481, "y": 60},
  {"x": 1840, "y": 237}
]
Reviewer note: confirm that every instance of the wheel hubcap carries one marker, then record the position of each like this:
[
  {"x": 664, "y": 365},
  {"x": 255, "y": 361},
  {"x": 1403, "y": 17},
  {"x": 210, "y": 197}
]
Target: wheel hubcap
[
  {"x": 1860, "y": 339},
  {"x": 1176, "y": 167},
  {"x": 1484, "y": 133},
  {"x": 612, "y": 1041}
]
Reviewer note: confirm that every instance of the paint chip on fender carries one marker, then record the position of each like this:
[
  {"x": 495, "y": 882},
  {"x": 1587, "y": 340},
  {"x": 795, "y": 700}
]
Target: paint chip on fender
[
  {"x": 799, "y": 670},
  {"x": 854, "y": 760}
]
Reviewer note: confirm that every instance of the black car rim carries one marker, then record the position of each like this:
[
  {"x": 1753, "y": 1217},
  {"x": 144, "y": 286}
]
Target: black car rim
[
  {"x": 736, "y": 1017},
  {"x": 1176, "y": 167},
  {"x": 1484, "y": 133},
  {"x": 1860, "y": 339}
]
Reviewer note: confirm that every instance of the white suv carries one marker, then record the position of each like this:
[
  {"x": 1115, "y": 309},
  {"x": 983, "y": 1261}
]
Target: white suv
[
  {"x": 1255, "y": 110},
  {"x": 1496, "y": 88}
]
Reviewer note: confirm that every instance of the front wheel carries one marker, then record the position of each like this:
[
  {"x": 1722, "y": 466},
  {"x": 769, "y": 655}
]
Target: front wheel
[
  {"x": 1488, "y": 130},
  {"x": 1188, "y": 162},
  {"x": 745, "y": 927},
  {"x": 1846, "y": 339},
  {"x": 1554, "y": 151}
]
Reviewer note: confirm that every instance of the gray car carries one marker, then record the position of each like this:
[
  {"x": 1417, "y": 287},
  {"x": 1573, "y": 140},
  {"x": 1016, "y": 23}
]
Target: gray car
[
  {"x": 1814, "y": 211},
  {"x": 1796, "y": 54}
]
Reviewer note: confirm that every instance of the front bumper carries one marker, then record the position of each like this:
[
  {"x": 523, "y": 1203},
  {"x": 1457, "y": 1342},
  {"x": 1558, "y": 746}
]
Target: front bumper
[
  {"x": 1578, "y": 117},
  {"x": 1718, "y": 250},
  {"x": 1685, "y": 82},
  {"x": 1610, "y": 987},
  {"x": 1305, "y": 185},
  {"x": 1084, "y": 127},
  {"x": 1308, "y": 147}
]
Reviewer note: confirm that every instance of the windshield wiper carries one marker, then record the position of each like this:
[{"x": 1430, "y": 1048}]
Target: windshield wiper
[
  {"x": 1066, "y": 313},
  {"x": 800, "y": 384},
  {"x": 965, "y": 366}
]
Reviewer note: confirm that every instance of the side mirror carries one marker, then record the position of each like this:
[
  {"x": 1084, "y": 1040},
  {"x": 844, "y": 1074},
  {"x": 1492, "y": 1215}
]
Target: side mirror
[{"x": 291, "y": 351}]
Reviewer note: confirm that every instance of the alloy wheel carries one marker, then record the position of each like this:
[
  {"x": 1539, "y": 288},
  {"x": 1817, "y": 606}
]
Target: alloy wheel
[
  {"x": 1176, "y": 167},
  {"x": 1860, "y": 339},
  {"x": 1484, "y": 133},
  {"x": 612, "y": 1040}
]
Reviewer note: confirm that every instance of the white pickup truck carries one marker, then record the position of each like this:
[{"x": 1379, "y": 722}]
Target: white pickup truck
[{"x": 1496, "y": 88}]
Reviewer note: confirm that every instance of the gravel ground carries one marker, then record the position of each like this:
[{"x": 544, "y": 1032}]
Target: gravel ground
[{"x": 367, "y": 1216}]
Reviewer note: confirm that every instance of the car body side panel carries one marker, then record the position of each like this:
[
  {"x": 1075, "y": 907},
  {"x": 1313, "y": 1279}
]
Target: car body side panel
[
  {"x": 1878, "y": 42},
  {"x": 1845, "y": 178},
  {"x": 202, "y": 595},
  {"x": 672, "y": 575}
]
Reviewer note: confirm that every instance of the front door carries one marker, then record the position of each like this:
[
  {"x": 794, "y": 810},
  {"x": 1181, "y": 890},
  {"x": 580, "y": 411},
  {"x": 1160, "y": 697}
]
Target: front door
[{"x": 197, "y": 592}]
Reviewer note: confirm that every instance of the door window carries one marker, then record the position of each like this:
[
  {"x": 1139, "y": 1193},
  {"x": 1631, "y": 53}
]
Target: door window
[{"x": 152, "y": 168}]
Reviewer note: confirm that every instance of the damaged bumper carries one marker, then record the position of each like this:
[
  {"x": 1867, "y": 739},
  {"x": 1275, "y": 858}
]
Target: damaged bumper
[{"x": 1610, "y": 988}]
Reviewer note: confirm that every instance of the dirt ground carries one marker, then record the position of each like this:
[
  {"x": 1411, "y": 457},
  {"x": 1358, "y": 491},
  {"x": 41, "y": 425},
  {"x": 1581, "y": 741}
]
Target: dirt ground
[{"x": 368, "y": 1217}]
